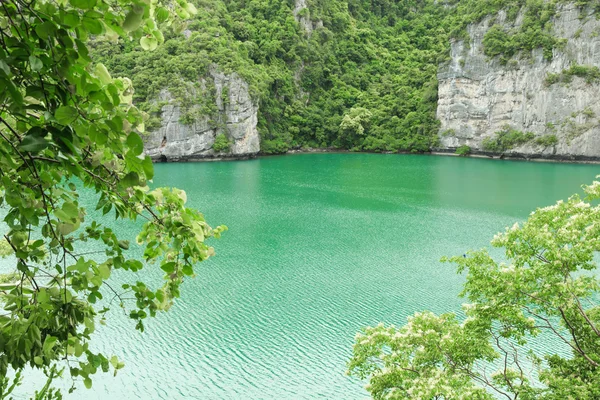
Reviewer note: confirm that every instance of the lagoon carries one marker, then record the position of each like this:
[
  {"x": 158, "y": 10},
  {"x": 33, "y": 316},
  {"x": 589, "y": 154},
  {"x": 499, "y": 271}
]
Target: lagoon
[{"x": 318, "y": 246}]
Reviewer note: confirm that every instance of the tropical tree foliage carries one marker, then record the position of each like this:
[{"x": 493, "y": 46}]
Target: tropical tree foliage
[
  {"x": 382, "y": 56},
  {"x": 221, "y": 144},
  {"x": 546, "y": 292},
  {"x": 68, "y": 127}
]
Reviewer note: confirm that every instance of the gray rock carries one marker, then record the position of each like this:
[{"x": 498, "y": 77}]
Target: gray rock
[
  {"x": 305, "y": 21},
  {"x": 236, "y": 117},
  {"x": 479, "y": 96}
]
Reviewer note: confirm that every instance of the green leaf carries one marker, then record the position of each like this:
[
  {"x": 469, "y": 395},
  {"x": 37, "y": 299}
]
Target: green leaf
[
  {"x": 87, "y": 382},
  {"x": 182, "y": 13},
  {"x": 65, "y": 115},
  {"x": 159, "y": 36},
  {"x": 89, "y": 324},
  {"x": 188, "y": 270},
  {"x": 83, "y": 52},
  {"x": 168, "y": 267},
  {"x": 38, "y": 360},
  {"x": 190, "y": 8},
  {"x": 131, "y": 179},
  {"x": 135, "y": 144},
  {"x": 148, "y": 167},
  {"x": 114, "y": 361},
  {"x": 71, "y": 210},
  {"x": 70, "y": 19},
  {"x": 162, "y": 14},
  {"x": 36, "y": 63},
  {"x": 45, "y": 30},
  {"x": 62, "y": 216},
  {"x": 83, "y": 4},
  {"x": 4, "y": 67},
  {"x": 66, "y": 229},
  {"x": 78, "y": 349},
  {"x": 49, "y": 344},
  {"x": 133, "y": 19},
  {"x": 92, "y": 25},
  {"x": 102, "y": 74},
  {"x": 104, "y": 270},
  {"x": 33, "y": 144},
  {"x": 97, "y": 136},
  {"x": 15, "y": 94},
  {"x": 149, "y": 43}
]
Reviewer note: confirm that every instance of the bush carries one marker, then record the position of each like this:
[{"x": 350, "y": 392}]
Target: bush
[
  {"x": 496, "y": 41},
  {"x": 547, "y": 141},
  {"x": 275, "y": 146},
  {"x": 463, "y": 150},
  {"x": 590, "y": 73},
  {"x": 506, "y": 139},
  {"x": 221, "y": 144}
]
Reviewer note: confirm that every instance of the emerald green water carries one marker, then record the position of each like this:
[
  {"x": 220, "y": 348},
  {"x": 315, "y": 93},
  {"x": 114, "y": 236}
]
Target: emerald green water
[{"x": 318, "y": 246}]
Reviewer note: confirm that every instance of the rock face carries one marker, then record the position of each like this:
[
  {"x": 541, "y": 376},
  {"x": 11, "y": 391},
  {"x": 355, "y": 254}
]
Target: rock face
[
  {"x": 236, "y": 117},
  {"x": 479, "y": 97},
  {"x": 302, "y": 15}
]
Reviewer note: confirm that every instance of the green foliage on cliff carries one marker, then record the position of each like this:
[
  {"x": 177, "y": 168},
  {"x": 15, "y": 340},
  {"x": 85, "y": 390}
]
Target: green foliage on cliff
[
  {"x": 380, "y": 56},
  {"x": 463, "y": 150},
  {"x": 506, "y": 139},
  {"x": 221, "y": 143},
  {"x": 547, "y": 140},
  {"x": 590, "y": 73},
  {"x": 533, "y": 33}
]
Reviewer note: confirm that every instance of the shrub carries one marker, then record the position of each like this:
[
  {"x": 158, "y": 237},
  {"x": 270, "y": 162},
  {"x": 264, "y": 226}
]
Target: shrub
[
  {"x": 590, "y": 73},
  {"x": 506, "y": 139},
  {"x": 221, "y": 144},
  {"x": 274, "y": 146},
  {"x": 463, "y": 150},
  {"x": 547, "y": 140}
]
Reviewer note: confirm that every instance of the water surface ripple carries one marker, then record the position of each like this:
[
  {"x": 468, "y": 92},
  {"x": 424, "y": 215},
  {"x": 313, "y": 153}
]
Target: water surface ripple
[{"x": 318, "y": 246}]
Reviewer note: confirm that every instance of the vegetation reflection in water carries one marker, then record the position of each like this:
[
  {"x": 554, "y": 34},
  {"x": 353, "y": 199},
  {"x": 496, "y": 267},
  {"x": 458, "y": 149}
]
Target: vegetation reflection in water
[{"x": 319, "y": 245}]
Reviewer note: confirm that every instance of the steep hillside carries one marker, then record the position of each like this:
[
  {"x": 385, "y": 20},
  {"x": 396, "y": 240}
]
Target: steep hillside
[
  {"x": 538, "y": 103},
  {"x": 356, "y": 74}
]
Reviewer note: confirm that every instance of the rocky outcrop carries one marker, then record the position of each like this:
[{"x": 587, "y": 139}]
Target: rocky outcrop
[
  {"x": 302, "y": 15},
  {"x": 479, "y": 96},
  {"x": 235, "y": 117}
]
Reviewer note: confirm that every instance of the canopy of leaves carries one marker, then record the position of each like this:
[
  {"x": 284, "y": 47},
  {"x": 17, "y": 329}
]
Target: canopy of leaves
[
  {"x": 66, "y": 127},
  {"x": 547, "y": 291},
  {"x": 221, "y": 144}
]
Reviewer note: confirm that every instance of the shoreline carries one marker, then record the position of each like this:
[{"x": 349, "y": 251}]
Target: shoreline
[{"x": 436, "y": 152}]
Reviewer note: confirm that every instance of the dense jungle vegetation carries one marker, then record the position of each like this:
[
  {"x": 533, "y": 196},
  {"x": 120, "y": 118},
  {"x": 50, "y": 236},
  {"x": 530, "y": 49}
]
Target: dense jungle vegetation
[{"x": 364, "y": 78}]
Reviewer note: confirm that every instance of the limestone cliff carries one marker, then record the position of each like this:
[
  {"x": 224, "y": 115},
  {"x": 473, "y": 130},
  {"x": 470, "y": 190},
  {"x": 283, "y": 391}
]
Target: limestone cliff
[
  {"x": 302, "y": 15},
  {"x": 479, "y": 96},
  {"x": 235, "y": 117}
]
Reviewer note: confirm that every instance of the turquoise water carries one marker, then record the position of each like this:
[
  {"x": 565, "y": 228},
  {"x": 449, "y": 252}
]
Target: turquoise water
[{"x": 318, "y": 246}]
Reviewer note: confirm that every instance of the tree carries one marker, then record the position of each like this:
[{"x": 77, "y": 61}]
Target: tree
[
  {"x": 67, "y": 127},
  {"x": 221, "y": 144},
  {"x": 354, "y": 124},
  {"x": 549, "y": 286}
]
